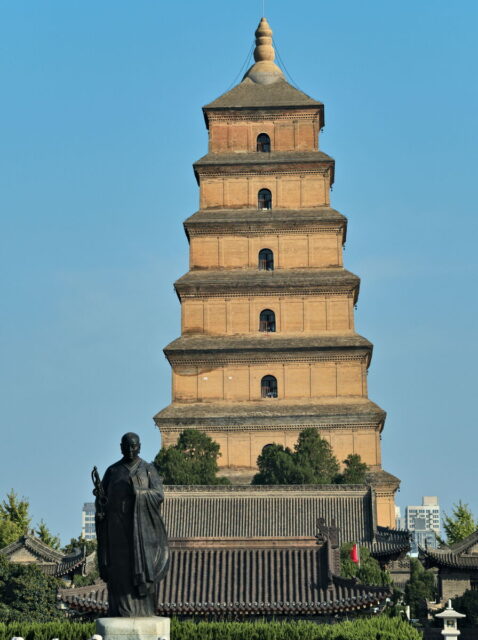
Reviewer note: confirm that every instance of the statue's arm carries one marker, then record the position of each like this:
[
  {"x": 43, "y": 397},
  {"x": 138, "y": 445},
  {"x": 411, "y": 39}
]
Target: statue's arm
[{"x": 155, "y": 481}]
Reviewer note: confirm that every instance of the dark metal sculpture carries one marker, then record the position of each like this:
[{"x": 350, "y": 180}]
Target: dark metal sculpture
[{"x": 133, "y": 553}]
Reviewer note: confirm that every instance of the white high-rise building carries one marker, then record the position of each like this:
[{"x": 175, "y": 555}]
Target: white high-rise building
[
  {"x": 424, "y": 522},
  {"x": 88, "y": 530},
  {"x": 429, "y": 511}
]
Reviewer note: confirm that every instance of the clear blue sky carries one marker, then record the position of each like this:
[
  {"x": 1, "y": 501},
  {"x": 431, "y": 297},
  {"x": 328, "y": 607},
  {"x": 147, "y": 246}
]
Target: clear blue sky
[{"x": 100, "y": 121}]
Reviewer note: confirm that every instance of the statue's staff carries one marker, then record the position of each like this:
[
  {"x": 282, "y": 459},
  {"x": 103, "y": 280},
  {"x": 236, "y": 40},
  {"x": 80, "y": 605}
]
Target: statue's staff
[{"x": 99, "y": 493}]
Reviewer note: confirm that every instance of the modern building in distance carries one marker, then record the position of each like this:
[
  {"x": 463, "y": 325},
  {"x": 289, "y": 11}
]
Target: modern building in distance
[
  {"x": 88, "y": 530},
  {"x": 399, "y": 519},
  {"x": 268, "y": 344},
  {"x": 423, "y": 521}
]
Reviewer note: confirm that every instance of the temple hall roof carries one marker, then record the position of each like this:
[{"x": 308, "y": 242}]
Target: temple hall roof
[
  {"x": 277, "y": 511},
  {"x": 461, "y": 555},
  {"x": 249, "y": 582},
  {"x": 49, "y": 560}
]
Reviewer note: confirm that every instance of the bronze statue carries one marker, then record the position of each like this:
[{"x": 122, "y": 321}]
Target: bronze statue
[{"x": 133, "y": 553}]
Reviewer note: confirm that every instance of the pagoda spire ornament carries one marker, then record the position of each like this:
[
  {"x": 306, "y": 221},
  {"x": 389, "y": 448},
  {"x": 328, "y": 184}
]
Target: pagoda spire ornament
[{"x": 265, "y": 70}]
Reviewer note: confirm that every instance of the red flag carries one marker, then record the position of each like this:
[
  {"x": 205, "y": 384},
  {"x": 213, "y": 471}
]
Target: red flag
[{"x": 354, "y": 554}]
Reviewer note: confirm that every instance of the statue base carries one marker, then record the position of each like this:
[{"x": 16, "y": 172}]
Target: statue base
[{"x": 151, "y": 628}]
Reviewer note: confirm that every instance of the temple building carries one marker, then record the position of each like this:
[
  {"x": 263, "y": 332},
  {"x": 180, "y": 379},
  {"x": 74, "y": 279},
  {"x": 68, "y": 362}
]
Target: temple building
[
  {"x": 457, "y": 566},
  {"x": 242, "y": 576},
  {"x": 268, "y": 345},
  {"x": 29, "y": 549}
]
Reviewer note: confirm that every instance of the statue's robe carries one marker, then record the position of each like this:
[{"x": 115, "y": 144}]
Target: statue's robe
[{"x": 133, "y": 553}]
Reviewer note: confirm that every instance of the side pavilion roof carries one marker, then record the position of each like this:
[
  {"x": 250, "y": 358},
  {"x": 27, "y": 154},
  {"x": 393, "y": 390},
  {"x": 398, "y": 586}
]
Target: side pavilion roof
[{"x": 461, "y": 555}]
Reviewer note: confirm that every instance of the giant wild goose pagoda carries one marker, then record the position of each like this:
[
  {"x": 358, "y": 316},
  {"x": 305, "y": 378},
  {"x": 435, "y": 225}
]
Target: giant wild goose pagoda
[
  {"x": 268, "y": 345},
  {"x": 267, "y": 348}
]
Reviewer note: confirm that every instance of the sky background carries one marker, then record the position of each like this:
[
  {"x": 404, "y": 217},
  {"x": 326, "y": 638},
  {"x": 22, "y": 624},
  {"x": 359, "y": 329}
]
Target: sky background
[{"x": 100, "y": 121}]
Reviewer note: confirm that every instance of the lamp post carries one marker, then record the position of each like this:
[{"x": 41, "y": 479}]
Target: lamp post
[{"x": 450, "y": 617}]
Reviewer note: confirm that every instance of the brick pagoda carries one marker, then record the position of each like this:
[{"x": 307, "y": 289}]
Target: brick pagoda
[{"x": 268, "y": 344}]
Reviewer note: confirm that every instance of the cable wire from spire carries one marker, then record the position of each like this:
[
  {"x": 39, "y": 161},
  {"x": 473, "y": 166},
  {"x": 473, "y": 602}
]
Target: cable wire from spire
[
  {"x": 244, "y": 66},
  {"x": 283, "y": 67}
]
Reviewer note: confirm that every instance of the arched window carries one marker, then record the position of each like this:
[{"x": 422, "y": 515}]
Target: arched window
[
  {"x": 264, "y": 199},
  {"x": 266, "y": 260},
  {"x": 267, "y": 321},
  {"x": 263, "y": 142},
  {"x": 269, "y": 387}
]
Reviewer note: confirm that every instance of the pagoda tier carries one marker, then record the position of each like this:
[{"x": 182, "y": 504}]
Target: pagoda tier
[
  {"x": 278, "y": 282},
  {"x": 268, "y": 344},
  {"x": 246, "y": 221}
]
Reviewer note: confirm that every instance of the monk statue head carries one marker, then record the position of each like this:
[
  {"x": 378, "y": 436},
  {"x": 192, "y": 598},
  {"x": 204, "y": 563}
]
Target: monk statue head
[{"x": 130, "y": 446}]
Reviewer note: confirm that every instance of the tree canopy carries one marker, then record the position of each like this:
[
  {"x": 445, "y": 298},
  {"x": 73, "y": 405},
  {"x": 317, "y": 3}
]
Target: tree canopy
[
  {"x": 368, "y": 572},
  {"x": 467, "y": 604},
  {"x": 314, "y": 455},
  {"x": 45, "y": 535},
  {"x": 420, "y": 588},
  {"x": 80, "y": 543},
  {"x": 311, "y": 462},
  {"x": 192, "y": 460},
  {"x": 14, "y": 518},
  {"x": 355, "y": 471},
  {"x": 26, "y": 593},
  {"x": 460, "y": 524}
]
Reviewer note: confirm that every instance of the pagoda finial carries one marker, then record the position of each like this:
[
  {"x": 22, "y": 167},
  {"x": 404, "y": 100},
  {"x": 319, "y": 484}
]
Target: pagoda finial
[{"x": 264, "y": 71}]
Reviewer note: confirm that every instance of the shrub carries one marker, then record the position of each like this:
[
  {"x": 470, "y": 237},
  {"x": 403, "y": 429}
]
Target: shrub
[{"x": 378, "y": 628}]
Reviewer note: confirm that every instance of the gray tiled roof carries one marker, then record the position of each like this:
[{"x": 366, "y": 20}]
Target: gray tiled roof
[
  {"x": 251, "y": 94},
  {"x": 246, "y": 581},
  {"x": 269, "y": 413},
  {"x": 455, "y": 556},
  {"x": 280, "y": 280},
  {"x": 259, "y": 582},
  {"x": 50, "y": 561},
  {"x": 287, "y": 511},
  {"x": 36, "y": 546}
]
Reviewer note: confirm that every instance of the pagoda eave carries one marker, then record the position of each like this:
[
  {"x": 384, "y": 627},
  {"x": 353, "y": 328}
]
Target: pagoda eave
[
  {"x": 214, "y": 165},
  {"x": 234, "y": 282},
  {"x": 247, "y": 220},
  {"x": 270, "y": 414},
  {"x": 203, "y": 350}
]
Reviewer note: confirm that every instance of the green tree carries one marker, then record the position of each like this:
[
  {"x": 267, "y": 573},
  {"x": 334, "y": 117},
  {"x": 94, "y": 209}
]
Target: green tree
[
  {"x": 46, "y": 536},
  {"x": 27, "y": 594},
  {"x": 355, "y": 471},
  {"x": 460, "y": 524},
  {"x": 420, "y": 588},
  {"x": 314, "y": 456},
  {"x": 276, "y": 466},
  {"x": 467, "y": 604},
  {"x": 192, "y": 460},
  {"x": 368, "y": 572},
  {"x": 311, "y": 462},
  {"x": 14, "y": 518},
  {"x": 89, "y": 547},
  {"x": 80, "y": 543}
]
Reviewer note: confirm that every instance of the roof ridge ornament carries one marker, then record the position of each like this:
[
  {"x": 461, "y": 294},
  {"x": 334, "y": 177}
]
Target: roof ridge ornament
[{"x": 264, "y": 71}]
